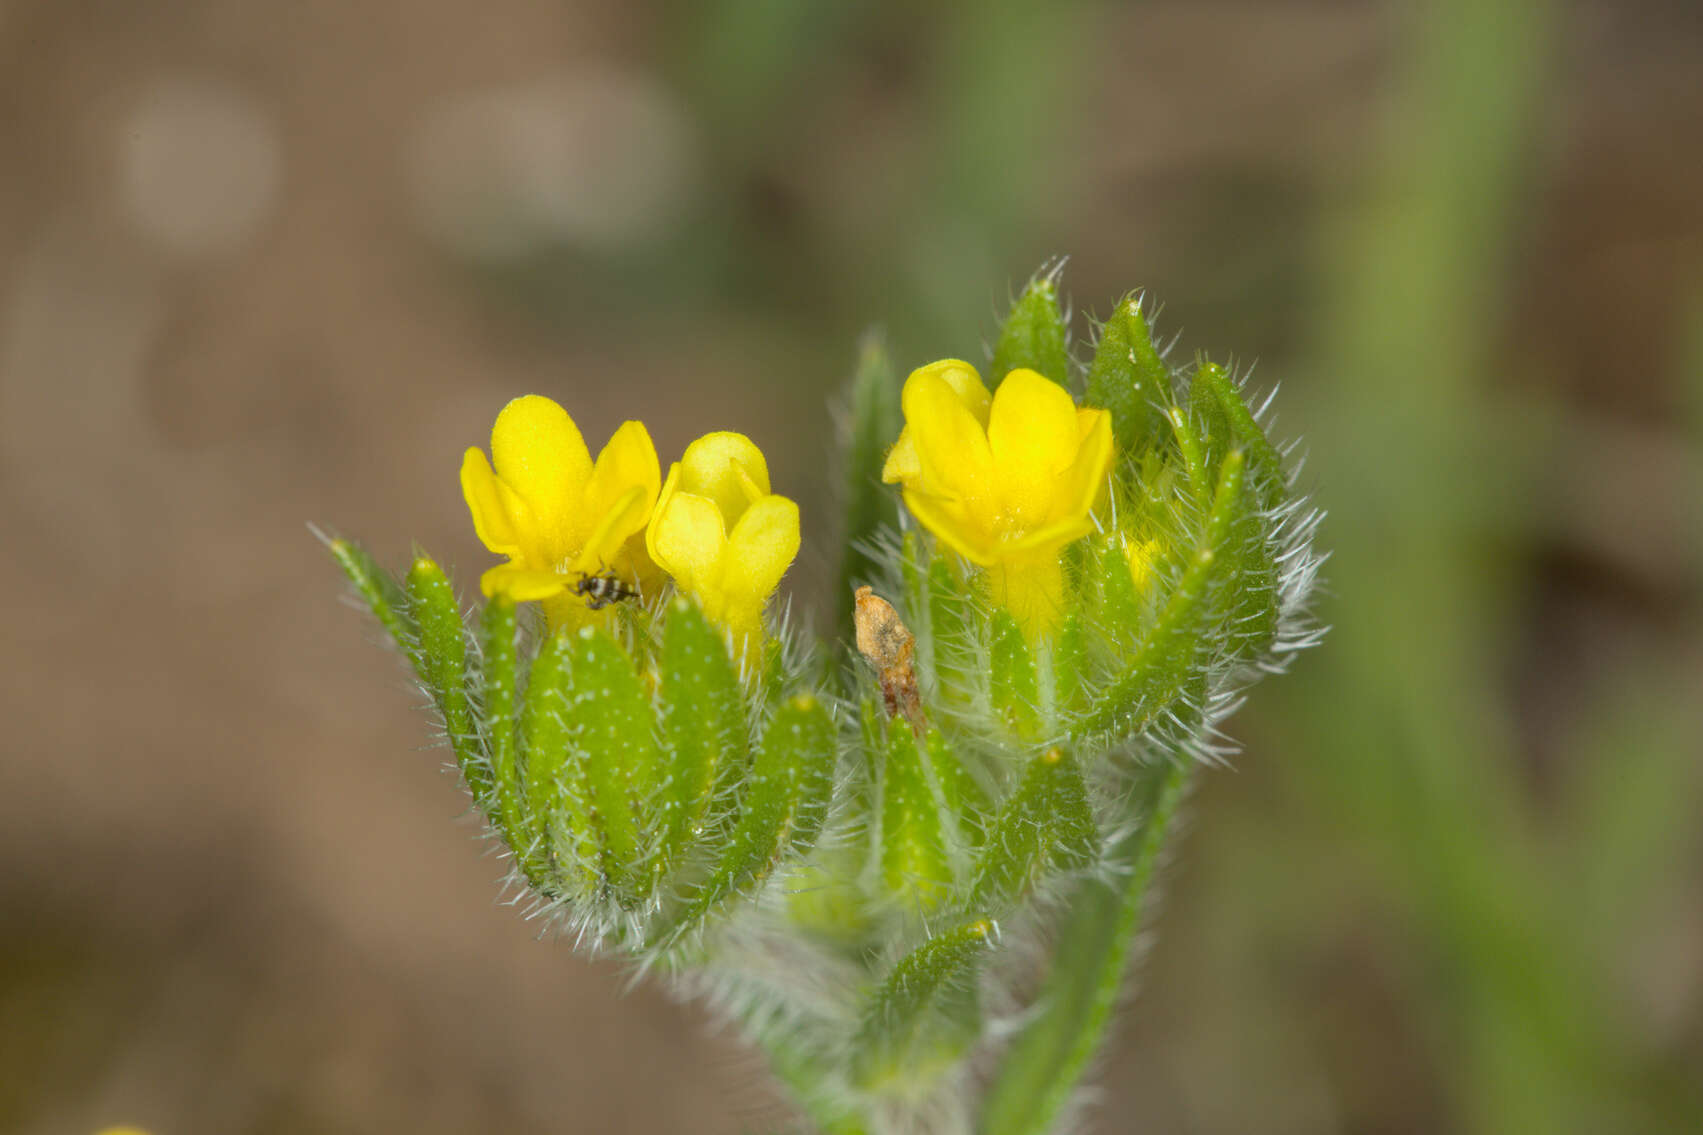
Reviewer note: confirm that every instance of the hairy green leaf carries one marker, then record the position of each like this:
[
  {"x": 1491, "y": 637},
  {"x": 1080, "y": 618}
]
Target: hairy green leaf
[
  {"x": 925, "y": 1012},
  {"x": 785, "y": 805},
  {"x": 379, "y": 589},
  {"x": 1015, "y": 688},
  {"x": 498, "y": 691},
  {"x": 915, "y": 866},
  {"x": 1034, "y": 336},
  {"x": 702, "y": 718},
  {"x": 1164, "y": 663},
  {"x": 612, "y": 736},
  {"x": 1043, "y": 823},
  {"x": 440, "y": 660},
  {"x": 558, "y": 817},
  {"x": 1129, "y": 378}
]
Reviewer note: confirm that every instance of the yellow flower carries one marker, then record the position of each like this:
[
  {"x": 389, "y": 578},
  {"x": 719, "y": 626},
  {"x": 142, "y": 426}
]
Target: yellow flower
[
  {"x": 721, "y": 534},
  {"x": 1006, "y": 481},
  {"x": 554, "y": 513}
]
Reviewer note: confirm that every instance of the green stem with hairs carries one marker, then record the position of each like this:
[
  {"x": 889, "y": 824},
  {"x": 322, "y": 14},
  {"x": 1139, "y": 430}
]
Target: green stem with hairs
[{"x": 1041, "y": 1068}]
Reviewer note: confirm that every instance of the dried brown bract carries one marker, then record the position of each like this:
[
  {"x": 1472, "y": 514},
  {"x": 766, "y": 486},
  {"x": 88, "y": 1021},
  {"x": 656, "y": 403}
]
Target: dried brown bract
[{"x": 883, "y": 638}]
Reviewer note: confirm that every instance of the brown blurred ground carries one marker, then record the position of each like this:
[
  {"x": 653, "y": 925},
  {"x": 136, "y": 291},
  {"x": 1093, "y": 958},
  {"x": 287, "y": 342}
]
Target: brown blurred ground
[{"x": 234, "y": 300}]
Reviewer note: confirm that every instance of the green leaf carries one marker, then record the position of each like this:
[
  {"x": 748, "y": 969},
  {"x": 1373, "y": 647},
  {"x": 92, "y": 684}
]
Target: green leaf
[
  {"x": 872, "y": 732},
  {"x": 1129, "y": 378},
  {"x": 1246, "y": 551},
  {"x": 558, "y": 820},
  {"x": 1070, "y": 660},
  {"x": 915, "y": 866},
  {"x": 1044, "y": 823},
  {"x": 871, "y": 508},
  {"x": 1014, "y": 686},
  {"x": 1034, "y": 336},
  {"x": 950, "y": 637},
  {"x": 440, "y": 660},
  {"x": 1040, "y": 1069},
  {"x": 497, "y": 686},
  {"x": 1165, "y": 663},
  {"x": 1121, "y": 605},
  {"x": 1205, "y": 406},
  {"x": 1252, "y": 621},
  {"x": 1264, "y": 460},
  {"x": 1076, "y": 835},
  {"x": 926, "y": 1011},
  {"x": 786, "y": 803},
  {"x": 612, "y": 735},
  {"x": 702, "y": 717},
  {"x": 1193, "y": 447},
  {"x": 960, "y": 795},
  {"x": 801, "y": 750},
  {"x": 379, "y": 589}
]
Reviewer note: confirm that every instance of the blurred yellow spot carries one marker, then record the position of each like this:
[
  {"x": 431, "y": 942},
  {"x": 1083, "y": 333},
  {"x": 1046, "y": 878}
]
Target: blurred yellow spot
[{"x": 1141, "y": 556}]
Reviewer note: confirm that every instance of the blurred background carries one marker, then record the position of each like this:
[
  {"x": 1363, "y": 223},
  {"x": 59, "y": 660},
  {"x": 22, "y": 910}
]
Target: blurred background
[{"x": 267, "y": 262}]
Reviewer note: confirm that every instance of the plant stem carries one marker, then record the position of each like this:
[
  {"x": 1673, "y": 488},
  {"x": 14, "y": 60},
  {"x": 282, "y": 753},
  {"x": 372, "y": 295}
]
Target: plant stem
[{"x": 1040, "y": 1069}]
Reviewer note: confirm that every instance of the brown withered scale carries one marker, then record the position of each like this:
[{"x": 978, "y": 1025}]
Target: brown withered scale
[{"x": 890, "y": 647}]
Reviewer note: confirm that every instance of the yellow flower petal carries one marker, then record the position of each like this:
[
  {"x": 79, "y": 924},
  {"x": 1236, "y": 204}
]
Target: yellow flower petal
[
  {"x": 491, "y": 519},
  {"x": 1032, "y": 590},
  {"x": 951, "y": 445},
  {"x": 628, "y": 461},
  {"x": 617, "y": 522},
  {"x": 965, "y": 383},
  {"x": 902, "y": 464},
  {"x": 760, "y": 548},
  {"x": 1033, "y": 436},
  {"x": 633, "y": 561},
  {"x": 727, "y": 468},
  {"x": 687, "y": 538},
  {"x": 666, "y": 494},
  {"x": 521, "y": 583},
  {"x": 619, "y": 497},
  {"x": 1081, "y": 484},
  {"x": 539, "y": 453},
  {"x": 1049, "y": 537},
  {"x": 1087, "y": 421},
  {"x": 954, "y": 526}
]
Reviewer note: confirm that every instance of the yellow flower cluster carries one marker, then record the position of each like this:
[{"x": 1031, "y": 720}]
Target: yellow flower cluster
[
  {"x": 565, "y": 521},
  {"x": 1005, "y": 480}
]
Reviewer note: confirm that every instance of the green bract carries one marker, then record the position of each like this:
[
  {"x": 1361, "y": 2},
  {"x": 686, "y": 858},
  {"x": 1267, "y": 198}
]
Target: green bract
[{"x": 866, "y": 886}]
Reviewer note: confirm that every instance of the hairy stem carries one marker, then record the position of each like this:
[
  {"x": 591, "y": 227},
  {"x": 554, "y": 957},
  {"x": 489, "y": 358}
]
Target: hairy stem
[{"x": 1042, "y": 1066}]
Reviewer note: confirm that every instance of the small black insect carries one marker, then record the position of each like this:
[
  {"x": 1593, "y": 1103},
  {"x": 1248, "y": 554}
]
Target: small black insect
[{"x": 601, "y": 590}]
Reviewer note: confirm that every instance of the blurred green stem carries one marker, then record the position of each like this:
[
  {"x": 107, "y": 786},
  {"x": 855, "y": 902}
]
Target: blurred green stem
[
  {"x": 1041, "y": 1068},
  {"x": 1417, "y": 759}
]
